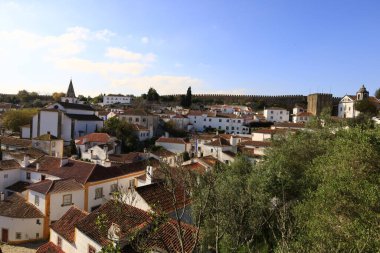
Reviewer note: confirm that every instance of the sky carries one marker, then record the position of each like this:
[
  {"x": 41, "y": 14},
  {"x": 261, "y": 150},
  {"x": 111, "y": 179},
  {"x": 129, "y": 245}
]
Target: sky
[{"x": 264, "y": 47}]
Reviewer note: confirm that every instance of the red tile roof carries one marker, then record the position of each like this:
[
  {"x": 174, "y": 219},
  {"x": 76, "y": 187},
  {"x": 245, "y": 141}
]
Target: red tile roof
[
  {"x": 126, "y": 158},
  {"x": 220, "y": 142},
  {"x": 195, "y": 167},
  {"x": 127, "y": 217},
  {"x": 49, "y": 247},
  {"x": 65, "y": 226},
  {"x": 82, "y": 172},
  {"x": 20, "y": 186},
  {"x": 255, "y": 143},
  {"x": 54, "y": 186},
  {"x": 160, "y": 198},
  {"x": 15, "y": 142},
  {"x": 171, "y": 140},
  {"x": 94, "y": 137},
  {"x": 9, "y": 165},
  {"x": 16, "y": 206},
  {"x": 162, "y": 152}
]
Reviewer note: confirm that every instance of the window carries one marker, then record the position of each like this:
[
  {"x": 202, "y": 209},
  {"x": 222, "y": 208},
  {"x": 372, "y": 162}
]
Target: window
[
  {"x": 271, "y": 112},
  {"x": 280, "y": 112},
  {"x": 18, "y": 235},
  {"x": 38, "y": 222},
  {"x": 67, "y": 200},
  {"x": 239, "y": 121},
  {"x": 209, "y": 120},
  {"x": 227, "y": 127},
  {"x": 36, "y": 200},
  {"x": 28, "y": 175},
  {"x": 59, "y": 241},
  {"x": 114, "y": 188},
  {"x": 98, "y": 193},
  {"x": 232, "y": 128},
  {"x": 91, "y": 249},
  {"x": 43, "y": 177},
  {"x": 220, "y": 120},
  {"x": 143, "y": 120},
  {"x": 5, "y": 175},
  {"x": 228, "y": 120},
  {"x": 212, "y": 150},
  {"x": 137, "y": 119},
  {"x": 219, "y": 127}
]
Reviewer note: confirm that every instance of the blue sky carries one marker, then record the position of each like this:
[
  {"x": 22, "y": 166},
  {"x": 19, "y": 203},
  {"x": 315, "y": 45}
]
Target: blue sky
[{"x": 266, "y": 47}]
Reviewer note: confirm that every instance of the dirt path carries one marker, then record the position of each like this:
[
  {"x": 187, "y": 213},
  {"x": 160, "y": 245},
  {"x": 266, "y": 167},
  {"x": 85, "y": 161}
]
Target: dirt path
[{"x": 23, "y": 248}]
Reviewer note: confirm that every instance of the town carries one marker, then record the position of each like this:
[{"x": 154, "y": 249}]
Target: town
[{"x": 66, "y": 160}]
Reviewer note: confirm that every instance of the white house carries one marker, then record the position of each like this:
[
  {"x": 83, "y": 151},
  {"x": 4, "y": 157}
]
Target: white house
[
  {"x": 230, "y": 123},
  {"x": 276, "y": 114},
  {"x": 116, "y": 99},
  {"x": 347, "y": 109},
  {"x": 302, "y": 117},
  {"x": 9, "y": 173},
  {"x": 175, "y": 145}
]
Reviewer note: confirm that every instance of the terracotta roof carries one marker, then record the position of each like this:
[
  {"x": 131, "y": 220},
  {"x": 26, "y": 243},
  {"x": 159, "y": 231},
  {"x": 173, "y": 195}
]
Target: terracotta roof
[
  {"x": 219, "y": 142},
  {"x": 49, "y": 247},
  {"x": 138, "y": 127},
  {"x": 15, "y": 206},
  {"x": 139, "y": 166},
  {"x": 54, "y": 186},
  {"x": 265, "y": 131},
  {"x": 162, "y": 152},
  {"x": 126, "y": 158},
  {"x": 171, "y": 140},
  {"x": 94, "y": 137},
  {"x": 166, "y": 237},
  {"x": 127, "y": 217},
  {"x": 209, "y": 160},
  {"x": 229, "y": 153},
  {"x": 289, "y": 124},
  {"x": 255, "y": 143},
  {"x": 76, "y": 106},
  {"x": 196, "y": 167},
  {"x": 20, "y": 186},
  {"x": 158, "y": 197},
  {"x": 19, "y": 154},
  {"x": 82, "y": 172},
  {"x": 196, "y": 113},
  {"x": 9, "y": 165},
  {"x": 16, "y": 142},
  {"x": 83, "y": 117},
  {"x": 136, "y": 112},
  {"x": 65, "y": 226},
  {"x": 46, "y": 137},
  {"x": 275, "y": 108},
  {"x": 304, "y": 114}
]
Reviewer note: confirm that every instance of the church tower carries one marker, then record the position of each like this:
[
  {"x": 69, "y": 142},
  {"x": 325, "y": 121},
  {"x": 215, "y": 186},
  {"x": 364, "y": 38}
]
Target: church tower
[
  {"x": 362, "y": 93},
  {"x": 70, "y": 95}
]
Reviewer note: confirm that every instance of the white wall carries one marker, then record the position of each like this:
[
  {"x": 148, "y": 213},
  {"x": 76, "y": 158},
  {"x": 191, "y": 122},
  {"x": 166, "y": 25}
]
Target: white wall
[
  {"x": 261, "y": 136},
  {"x": 25, "y": 132},
  {"x": 82, "y": 242},
  {"x": 42, "y": 203},
  {"x": 27, "y": 227},
  {"x": 276, "y": 115},
  {"x": 173, "y": 147},
  {"x": 56, "y": 200},
  {"x": 13, "y": 176},
  {"x": 66, "y": 246},
  {"x": 35, "y": 177},
  {"x": 122, "y": 183},
  {"x": 229, "y": 125}
]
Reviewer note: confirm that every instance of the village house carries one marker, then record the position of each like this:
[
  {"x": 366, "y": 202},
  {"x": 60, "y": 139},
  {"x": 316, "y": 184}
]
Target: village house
[
  {"x": 175, "y": 145},
  {"x": 230, "y": 123},
  {"x": 140, "y": 117},
  {"x": 276, "y": 114},
  {"x": 78, "y": 231},
  {"x": 65, "y": 120},
  {"x": 347, "y": 108},
  {"x": 49, "y": 144},
  {"x": 142, "y": 132},
  {"x": 111, "y": 99}
]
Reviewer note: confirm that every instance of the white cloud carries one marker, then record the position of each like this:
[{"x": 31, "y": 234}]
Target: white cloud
[
  {"x": 102, "y": 68},
  {"x": 145, "y": 40},
  {"x": 119, "y": 53}
]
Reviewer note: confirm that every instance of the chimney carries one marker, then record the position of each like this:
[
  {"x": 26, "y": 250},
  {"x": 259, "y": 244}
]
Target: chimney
[
  {"x": 37, "y": 166},
  {"x": 25, "y": 162},
  {"x": 166, "y": 134},
  {"x": 149, "y": 174},
  {"x": 2, "y": 196},
  {"x": 64, "y": 161}
]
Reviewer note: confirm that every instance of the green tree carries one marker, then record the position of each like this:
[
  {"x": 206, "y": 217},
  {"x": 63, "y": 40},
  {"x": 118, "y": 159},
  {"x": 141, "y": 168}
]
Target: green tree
[
  {"x": 123, "y": 131},
  {"x": 186, "y": 100},
  {"x": 57, "y": 96},
  {"x": 152, "y": 95},
  {"x": 14, "y": 119},
  {"x": 377, "y": 93},
  {"x": 366, "y": 107}
]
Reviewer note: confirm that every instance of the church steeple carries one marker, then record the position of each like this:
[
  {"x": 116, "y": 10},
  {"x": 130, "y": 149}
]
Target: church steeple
[
  {"x": 362, "y": 93},
  {"x": 70, "y": 91}
]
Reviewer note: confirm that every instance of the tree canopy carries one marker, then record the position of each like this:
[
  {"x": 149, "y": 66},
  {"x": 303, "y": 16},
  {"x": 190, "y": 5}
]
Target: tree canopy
[
  {"x": 14, "y": 119},
  {"x": 152, "y": 95},
  {"x": 315, "y": 191}
]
